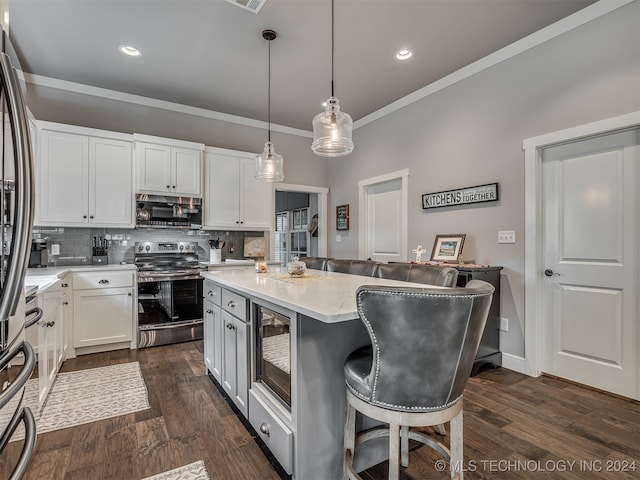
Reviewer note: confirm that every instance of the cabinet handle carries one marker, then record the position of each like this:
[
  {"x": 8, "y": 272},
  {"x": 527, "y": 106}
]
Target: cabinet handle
[
  {"x": 91, "y": 217},
  {"x": 103, "y": 281},
  {"x": 210, "y": 293},
  {"x": 49, "y": 324},
  {"x": 231, "y": 304},
  {"x": 209, "y": 311},
  {"x": 130, "y": 294},
  {"x": 168, "y": 188},
  {"x": 64, "y": 285},
  {"x": 264, "y": 428},
  {"x": 65, "y": 303},
  {"x": 84, "y": 216},
  {"x": 174, "y": 187}
]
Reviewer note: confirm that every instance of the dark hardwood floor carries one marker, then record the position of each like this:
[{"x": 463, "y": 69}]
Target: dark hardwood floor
[{"x": 516, "y": 427}]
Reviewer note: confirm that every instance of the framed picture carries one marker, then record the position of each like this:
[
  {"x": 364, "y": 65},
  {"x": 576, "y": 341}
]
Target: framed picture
[
  {"x": 447, "y": 247},
  {"x": 342, "y": 217}
]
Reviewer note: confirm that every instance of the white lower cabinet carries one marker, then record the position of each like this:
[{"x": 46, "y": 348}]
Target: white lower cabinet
[
  {"x": 235, "y": 371},
  {"x": 213, "y": 339},
  {"x": 103, "y": 308},
  {"x": 50, "y": 329}
]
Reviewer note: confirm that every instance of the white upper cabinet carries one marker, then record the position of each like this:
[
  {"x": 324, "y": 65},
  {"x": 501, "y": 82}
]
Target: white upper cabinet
[
  {"x": 84, "y": 177},
  {"x": 168, "y": 167},
  {"x": 234, "y": 199}
]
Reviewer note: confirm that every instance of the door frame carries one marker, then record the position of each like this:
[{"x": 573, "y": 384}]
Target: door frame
[
  {"x": 323, "y": 210},
  {"x": 403, "y": 176},
  {"x": 534, "y": 239}
]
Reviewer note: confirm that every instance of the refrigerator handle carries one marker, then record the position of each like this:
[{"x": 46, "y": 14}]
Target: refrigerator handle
[
  {"x": 25, "y": 415},
  {"x": 18, "y": 256}
]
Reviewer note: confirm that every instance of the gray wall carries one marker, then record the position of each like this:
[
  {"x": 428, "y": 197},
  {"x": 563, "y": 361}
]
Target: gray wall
[
  {"x": 471, "y": 133},
  {"x": 301, "y": 166}
]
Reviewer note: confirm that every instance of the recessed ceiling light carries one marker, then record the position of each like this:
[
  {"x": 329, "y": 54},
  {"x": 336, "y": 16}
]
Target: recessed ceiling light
[
  {"x": 404, "y": 54},
  {"x": 129, "y": 50}
]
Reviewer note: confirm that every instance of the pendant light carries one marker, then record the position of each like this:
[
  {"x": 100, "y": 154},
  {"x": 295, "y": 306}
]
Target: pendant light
[
  {"x": 269, "y": 163},
  {"x": 332, "y": 128}
]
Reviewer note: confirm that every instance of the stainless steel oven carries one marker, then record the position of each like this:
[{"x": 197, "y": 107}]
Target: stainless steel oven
[
  {"x": 273, "y": 351},
  {"x": 169, "y": 293}
]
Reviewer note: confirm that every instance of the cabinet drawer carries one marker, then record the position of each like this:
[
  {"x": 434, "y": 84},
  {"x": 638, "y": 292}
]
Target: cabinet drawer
[
  {"x": 234, "y": 304},
  {"x": 274, "y": 433},
  {"x": 212, "y": 292},
  {"x": 87, "y": 280}
]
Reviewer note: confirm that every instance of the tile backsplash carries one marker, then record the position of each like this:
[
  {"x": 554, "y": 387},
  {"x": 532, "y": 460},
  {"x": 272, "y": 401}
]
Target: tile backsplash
[{"x": 75, "y": 243}]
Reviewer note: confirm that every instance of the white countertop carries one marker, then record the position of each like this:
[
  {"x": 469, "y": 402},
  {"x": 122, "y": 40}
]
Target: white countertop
[
  {"x": 236, "y": 263},
  {"x": 326, "y": 296}
]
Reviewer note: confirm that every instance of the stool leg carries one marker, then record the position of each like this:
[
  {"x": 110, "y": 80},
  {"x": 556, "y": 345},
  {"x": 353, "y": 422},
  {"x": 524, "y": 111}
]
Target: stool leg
[
  {"x": 349, "y": 437},
  {"x": 441, "y": 429},
  {"x": 456, "y": 447},
  {"x": 394, "y": 451},
  {"x": 404, "y": 446}
]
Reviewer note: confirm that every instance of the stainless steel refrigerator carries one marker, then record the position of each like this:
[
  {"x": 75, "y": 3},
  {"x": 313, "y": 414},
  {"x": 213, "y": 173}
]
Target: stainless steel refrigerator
[{"x": 16, "y": 208}]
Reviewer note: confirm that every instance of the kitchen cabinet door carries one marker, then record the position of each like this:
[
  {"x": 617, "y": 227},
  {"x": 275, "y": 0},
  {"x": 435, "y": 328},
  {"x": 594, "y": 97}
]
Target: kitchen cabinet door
[
  {"x": 168, "y": 170},
  {"x": 235, "y": 372},
  {"x": 102, "y": 316},
  {"x": 110, "y": 182},
  {"x": 213, "y": 339},
  {"x": 234, "y": 198},
  {"x": 186, "y": 165},
  {"x": 63, "y": 173},
  {"x": 256, "y": 199},
  {"x": 154, "y": 168}
]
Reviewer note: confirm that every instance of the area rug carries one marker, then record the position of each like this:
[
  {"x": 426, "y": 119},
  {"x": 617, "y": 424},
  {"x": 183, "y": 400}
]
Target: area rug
[
  {"x": 86, "y": 396},
  {"x": 193, "y": 471}
]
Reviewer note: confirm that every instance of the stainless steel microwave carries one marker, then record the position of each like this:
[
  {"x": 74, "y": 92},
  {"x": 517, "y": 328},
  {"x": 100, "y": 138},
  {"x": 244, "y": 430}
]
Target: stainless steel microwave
[{"x": 159, "y": 211}]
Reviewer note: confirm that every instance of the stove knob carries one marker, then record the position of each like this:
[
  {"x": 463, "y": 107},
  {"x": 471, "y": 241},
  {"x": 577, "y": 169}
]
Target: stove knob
[
  {"x": 147, "y": 247},
  {"x": 181, "y": 247},
  {"x": 140, "y": 248}
]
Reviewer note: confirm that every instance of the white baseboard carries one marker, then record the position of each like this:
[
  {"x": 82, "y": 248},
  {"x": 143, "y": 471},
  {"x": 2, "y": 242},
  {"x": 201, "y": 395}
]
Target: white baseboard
[{"x": 515, "y": 363}]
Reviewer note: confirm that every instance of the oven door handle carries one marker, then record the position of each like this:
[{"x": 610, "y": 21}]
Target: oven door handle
[
  {"x": 38, "y": 312},
  {"x": 169, "y": 327},
  {"x": 25, "y": 415},
  {"x": 24, "y": 374}
]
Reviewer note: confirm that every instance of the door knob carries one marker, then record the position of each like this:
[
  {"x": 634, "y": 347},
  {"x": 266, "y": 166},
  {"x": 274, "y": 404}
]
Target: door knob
[{"x": 550, "y": 273}]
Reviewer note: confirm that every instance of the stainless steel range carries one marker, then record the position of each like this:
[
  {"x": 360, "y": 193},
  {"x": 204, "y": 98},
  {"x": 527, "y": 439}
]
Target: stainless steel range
[{"x": 169, "y": 293}]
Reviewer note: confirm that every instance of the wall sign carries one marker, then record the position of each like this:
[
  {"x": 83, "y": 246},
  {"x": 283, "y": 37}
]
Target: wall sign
[{"x": 461, "y": 196}]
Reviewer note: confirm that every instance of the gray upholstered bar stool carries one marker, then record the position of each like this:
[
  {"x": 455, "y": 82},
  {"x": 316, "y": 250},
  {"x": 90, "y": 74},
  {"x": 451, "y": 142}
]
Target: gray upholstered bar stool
[
  {"x": 365, "y": 268},
  {"x": 315, "y": 263},
  {"x": 424, "y": 341}
]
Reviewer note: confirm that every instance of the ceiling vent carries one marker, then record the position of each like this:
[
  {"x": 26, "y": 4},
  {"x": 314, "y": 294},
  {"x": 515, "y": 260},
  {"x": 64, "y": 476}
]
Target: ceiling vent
[{"x": 251, "y": 5}]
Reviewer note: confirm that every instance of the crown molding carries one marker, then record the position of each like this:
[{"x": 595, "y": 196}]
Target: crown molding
[{"x": 50, "y": 82}]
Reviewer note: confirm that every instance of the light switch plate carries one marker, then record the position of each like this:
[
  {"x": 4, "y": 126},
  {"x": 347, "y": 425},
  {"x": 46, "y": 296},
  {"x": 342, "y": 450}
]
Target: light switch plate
[
  {"x": 55, "y": 249},
  {"x": 504, "y": 324},
  {"x": 507, "y": 236}
]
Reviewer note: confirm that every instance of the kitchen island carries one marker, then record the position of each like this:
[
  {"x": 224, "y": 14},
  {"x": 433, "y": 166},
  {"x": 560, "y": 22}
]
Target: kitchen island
[{"x": 303, "y": 430}]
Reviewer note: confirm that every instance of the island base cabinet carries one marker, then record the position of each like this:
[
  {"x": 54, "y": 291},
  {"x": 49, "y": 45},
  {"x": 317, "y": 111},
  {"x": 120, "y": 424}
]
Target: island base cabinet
[
  {"x": 102, "y": 316},
  {"x": 274, "y": 433},
  {"x": 235, "y": 371},
  {"x": 213, "y": 339}
]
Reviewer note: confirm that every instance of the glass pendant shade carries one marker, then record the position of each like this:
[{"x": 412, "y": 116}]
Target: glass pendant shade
[
  {"x": 269, "y": 165},
  {"x": 332, "y": 131}
]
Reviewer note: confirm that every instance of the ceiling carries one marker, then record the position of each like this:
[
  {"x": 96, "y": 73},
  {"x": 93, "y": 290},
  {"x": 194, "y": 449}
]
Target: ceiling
[{"x": 210, "y": 53}]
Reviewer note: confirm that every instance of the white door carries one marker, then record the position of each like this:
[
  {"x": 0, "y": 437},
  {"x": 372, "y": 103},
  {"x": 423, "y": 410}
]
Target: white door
[
  {"x": 383, "y": 208},
  {"x": 591, "y": 290}
]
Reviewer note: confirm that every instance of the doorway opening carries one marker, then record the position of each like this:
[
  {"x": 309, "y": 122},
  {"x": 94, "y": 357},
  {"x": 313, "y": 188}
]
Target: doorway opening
[{"x": 300, "y": 223}]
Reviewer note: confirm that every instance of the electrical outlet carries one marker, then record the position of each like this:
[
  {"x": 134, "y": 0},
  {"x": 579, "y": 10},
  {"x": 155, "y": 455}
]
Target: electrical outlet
[
  {"x": 338, "y": 238},
  {"x": 55, "y": 249},
  {"x": 506, "y": 236},
  {"x": 504, "y": 324}
]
